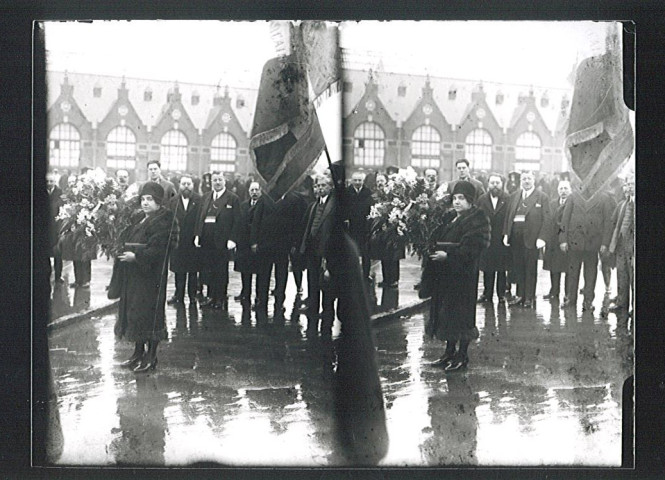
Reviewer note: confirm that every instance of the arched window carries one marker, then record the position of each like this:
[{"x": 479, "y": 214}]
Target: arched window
[
  {"x": 223, "y": 153},
  {"x": 121, "y": 148},
  {"x": 368, "y": 145},
  {"x": 426, "y": 147},
  {"x": 478, "y": 149},
  {"x": 528, "y": 151},
  {"x": 64, "y": 146},
  {"x": 173, "y": 150}
]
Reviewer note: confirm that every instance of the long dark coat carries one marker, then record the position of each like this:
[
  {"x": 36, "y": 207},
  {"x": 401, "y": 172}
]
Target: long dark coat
[
  {"x": 496, "y": 258},
  {"x": 455, "y": 280},
  {"x": 584, "y": 222},
  {"x": 277, "y": 226},
  {"x": 554, "y": 259},
  {"x": 245, "y": 260},
  {"x": 186, "y": 258},
  {"x": 227, "y": 208},
  {"x": 141, "y": 313},
  {"x": 357, "y": 206},
  {"x": 537, "y": 217}
]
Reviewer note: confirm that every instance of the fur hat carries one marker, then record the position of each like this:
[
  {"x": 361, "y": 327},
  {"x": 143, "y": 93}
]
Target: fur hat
[
  {"x": 465, "y": 188},
  {"x": 154, "y": 189}
]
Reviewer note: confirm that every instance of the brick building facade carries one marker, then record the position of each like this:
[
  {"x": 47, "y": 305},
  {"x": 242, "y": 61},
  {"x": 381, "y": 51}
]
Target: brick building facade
[{"x": 389, "y": 119}]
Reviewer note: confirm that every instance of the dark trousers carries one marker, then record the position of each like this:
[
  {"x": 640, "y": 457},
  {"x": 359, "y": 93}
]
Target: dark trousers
[
  {"x": 189, "y": 278},
  {"x": 219, "y": 278},
  {"x": 314, "y": 297},
  {"x": 281, "y": 262},
  {"x": 367, "y": 263},
  {"x": 246, "y": 291},
  {"x": 488, "y": 284},
  {"x": 590, "y": 261},
  {"x": 390, "y": 271},
  {"x": 525, "y": 266},
  {"x": 82, "y": 271},
  {"x": 57, "y": 266},
  {"x": 625, "y": 277},
  {"x": 296, "y": 268},
  {"x": 555, "y": 279}
]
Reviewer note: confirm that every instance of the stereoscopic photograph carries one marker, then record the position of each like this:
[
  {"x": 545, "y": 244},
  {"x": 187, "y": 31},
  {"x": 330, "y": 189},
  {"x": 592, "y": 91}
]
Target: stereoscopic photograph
[{"x": 339, "y": 244}]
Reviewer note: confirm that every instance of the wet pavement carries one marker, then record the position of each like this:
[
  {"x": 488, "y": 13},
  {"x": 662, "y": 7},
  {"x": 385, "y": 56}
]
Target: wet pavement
[
  {"x": 67, "y": 302},
  {"x": 543, "y": 388}
]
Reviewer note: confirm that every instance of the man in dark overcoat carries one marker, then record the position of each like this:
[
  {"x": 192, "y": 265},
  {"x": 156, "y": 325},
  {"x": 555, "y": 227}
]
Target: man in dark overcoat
[
  {"x": 245, "y": 259},
  {"x": 582, "y": 227},
  {"x": 621, "y": 239},
  {"x": 55, "y": 202},
  {"x": 314, "y": 244},
  {"x": 358, "y": 202},
  {"x": 556, "y": 260},
  {"x": 214, "y": 234},
  {"x": 272, "y": 239},
  {"x": 495, "y": 260},
  {"x": 185, "y": 260},
  {"x": 525, "y": 231}
]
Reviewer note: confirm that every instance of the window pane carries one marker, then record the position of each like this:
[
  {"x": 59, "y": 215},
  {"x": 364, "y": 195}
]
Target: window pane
[
  {"x": 368, "y": 145},
  {"x": 121, "y": 148},
  {"x": 527, "y": 147},
  {"x": 426, "y": 147},
  {"x": 223, "y": 153},
  {"x": 173, "y": 154},
  {"x": 478, "y": 149},
  {"x": 64, "y": 146}
]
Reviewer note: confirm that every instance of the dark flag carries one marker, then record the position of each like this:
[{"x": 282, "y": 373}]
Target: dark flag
[
  {"x": 286, "y": 138},
  {"x": 599, "y": 137},
  {"x": 285, "y": 143}
]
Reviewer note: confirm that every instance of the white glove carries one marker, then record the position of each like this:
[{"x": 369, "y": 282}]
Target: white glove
[
  {"x": 540, "y": 243},
  {"x": 505, "y": 241},
  {"x": 196, "y": 241},
  {"x": 230, "y": 245}
]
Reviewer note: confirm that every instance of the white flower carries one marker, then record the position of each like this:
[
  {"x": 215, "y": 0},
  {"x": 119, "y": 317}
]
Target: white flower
[
  {"x": 396, "y": 202},
  {"x": 395, "y": 215},
  {"x": 63, "y": 213},
  {"x": 409, "y": 175},
  {"x": 442, "y": 191},
  {"x": 132, "y": 191},
  {"x": 374, "y": 212}
]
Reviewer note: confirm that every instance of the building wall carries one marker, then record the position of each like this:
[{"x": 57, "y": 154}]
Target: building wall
[{"x": 398, "y": 135}]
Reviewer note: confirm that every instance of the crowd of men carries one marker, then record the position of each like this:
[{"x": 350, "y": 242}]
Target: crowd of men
[{"x": 224, "y": 217}]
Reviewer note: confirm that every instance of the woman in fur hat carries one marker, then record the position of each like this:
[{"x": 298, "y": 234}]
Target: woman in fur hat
[
  {"x": 453, "y": 265},
  {"x": 141, "y": 316}
]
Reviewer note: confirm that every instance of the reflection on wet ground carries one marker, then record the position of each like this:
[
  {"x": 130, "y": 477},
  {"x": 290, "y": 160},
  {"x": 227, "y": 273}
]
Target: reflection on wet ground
[{"x": 542, "y": 388}]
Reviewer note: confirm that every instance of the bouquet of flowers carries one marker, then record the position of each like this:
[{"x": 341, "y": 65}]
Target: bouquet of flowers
[
  {"x": 95, "y": 212},
  {"x": 407, "y": 211}
]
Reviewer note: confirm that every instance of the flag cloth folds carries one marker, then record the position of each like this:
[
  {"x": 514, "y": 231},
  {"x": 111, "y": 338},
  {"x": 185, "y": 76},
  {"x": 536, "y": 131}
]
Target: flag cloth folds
[
  {"x": 286, "y": 138},
  {"x": 599, "y": 137}
]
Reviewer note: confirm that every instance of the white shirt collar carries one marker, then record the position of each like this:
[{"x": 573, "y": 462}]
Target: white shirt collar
[
  {"x": 323, "y": 199},
  {"x": 526, "y": 193},
  {"x": 216, "y": 194}
]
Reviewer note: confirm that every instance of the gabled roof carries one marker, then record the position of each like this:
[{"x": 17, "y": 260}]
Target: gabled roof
[
  {"x": 400, "y": 108},
  {"x": 95, "y": 109}
]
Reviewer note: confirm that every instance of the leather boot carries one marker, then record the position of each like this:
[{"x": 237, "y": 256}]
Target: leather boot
[
  {"x": 135, "y": 359},
  {"x": 149, "y": 361}
]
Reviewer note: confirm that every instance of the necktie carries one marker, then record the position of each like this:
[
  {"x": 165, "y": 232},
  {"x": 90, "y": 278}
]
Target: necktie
[
  {"x": 215, "y": 196},
  {"x": 253, "y": 202}
]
